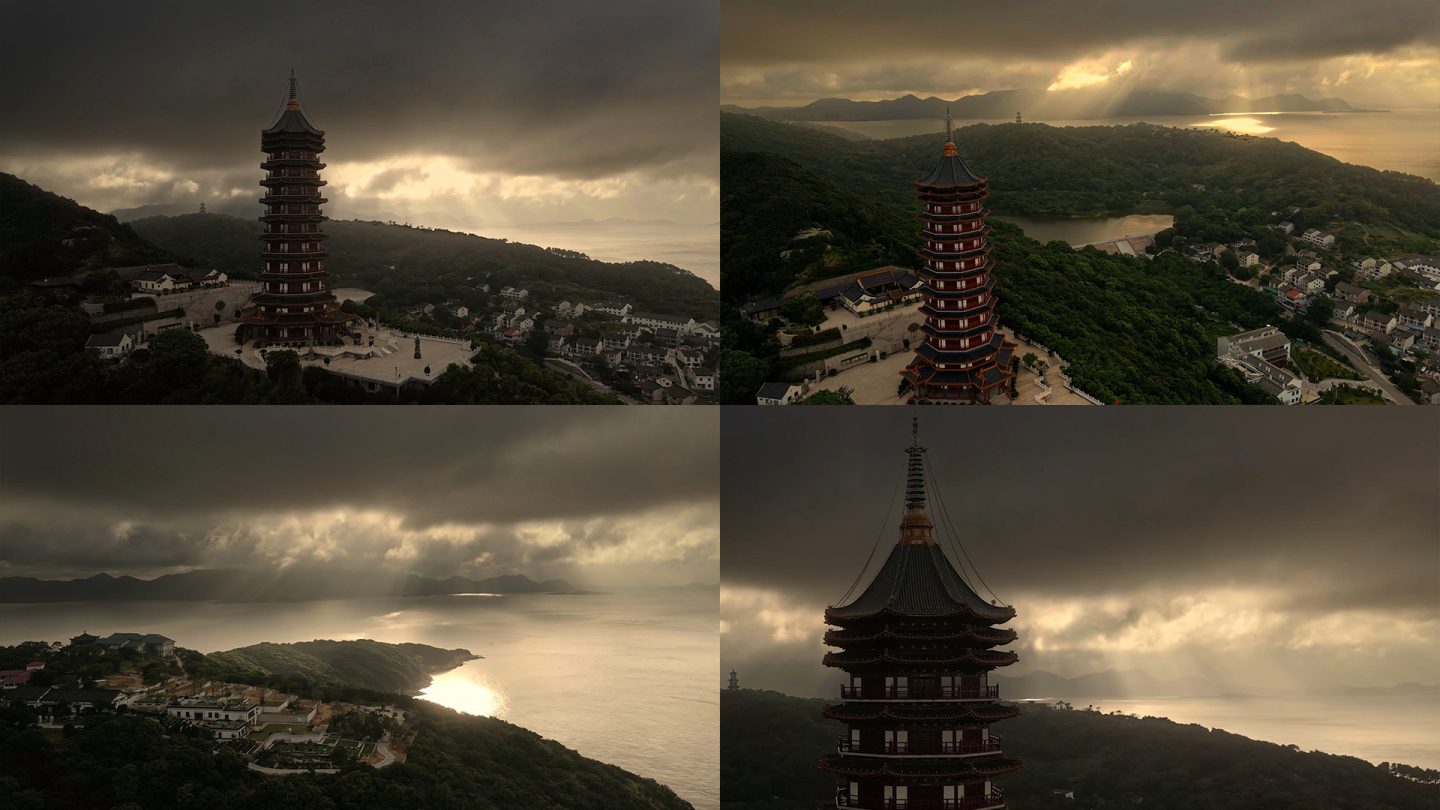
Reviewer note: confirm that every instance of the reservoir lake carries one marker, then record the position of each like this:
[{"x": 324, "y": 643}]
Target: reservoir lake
[{"x": 626, "y": 678}]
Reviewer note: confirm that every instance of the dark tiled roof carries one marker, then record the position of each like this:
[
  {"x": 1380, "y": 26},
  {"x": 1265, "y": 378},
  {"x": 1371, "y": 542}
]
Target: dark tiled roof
[
  {"x": 951, "y": 171},
  {"x": 919, "y": 580},
  {"x": 293, "y": 121},
  {"x": 773, "y": 390},
  {"x": 752, "y": 307},
  {"x": 111, "y": 339}
]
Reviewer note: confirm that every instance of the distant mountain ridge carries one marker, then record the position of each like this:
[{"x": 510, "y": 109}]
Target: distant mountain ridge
[
  {"x": 240, "y": 585},
  {"x": 1130, "y": 683},
  {"x": 1059, "y": 104}
]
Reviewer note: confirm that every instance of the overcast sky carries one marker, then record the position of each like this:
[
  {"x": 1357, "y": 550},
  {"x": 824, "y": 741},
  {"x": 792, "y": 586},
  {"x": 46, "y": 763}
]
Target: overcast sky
[
  {"x": 598, "y": 496},
  {"x": 1270, "y": 547},
  {"x": 493, "y": 112},
  {"x": 791, "y": 52}
]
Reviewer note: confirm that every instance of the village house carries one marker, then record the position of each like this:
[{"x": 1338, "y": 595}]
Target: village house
[
  {"x": 776, "y": 393},
  {"x": 158, "y": 278},
  {"x": 1401, "y": 340},
  {"x": 1249, "y": 259},
  {"x": 1415, "y": 318},
  {"x": 1318, "y": 238},
  {"x": 1431, "y": 338},
  {"x": 1350, "y": 292},
  {"x": 582, "y": 347},
  {"x": 514, "y": 294},
  {"x": 702, "y": 378},
  {"x": 653, "y": 321},
  {"x": 561, "y": 328},
  {"x": 154, "y": 643},
  {"x": 612, "y": 308},
  {"x": 886, "y": 287},
  {"x": 648, "y": 356},
  {"x": 111, "y": 345},
  {"x": 763, "y": 310},
  {"x": 1268, "y": 344},
  {"x": 1286, "y": 228},
  {"x": 1377, "y": 323}
]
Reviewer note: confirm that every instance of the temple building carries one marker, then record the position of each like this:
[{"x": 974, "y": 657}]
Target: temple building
[
  {"x": 293, "y": 308},
  {"x": 963, "y": 356},
  {"x": 918, "y": 646},
  {"x": 734, "y": 680}
]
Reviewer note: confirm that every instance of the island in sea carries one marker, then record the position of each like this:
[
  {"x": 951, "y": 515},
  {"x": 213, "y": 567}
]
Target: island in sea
[{"x": 129, "y": 720}]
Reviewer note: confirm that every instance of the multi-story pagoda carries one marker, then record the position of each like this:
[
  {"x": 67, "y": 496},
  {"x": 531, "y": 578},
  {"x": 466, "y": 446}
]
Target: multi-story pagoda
[
  {"x": 293, "y": 307},
  {"x": 963, "y": 356},
  {"x": 918, "y": 645}
]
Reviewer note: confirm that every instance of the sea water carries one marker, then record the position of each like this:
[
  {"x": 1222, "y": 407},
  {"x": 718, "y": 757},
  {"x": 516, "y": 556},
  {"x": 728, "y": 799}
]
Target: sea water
[{"x": 625, "y": 678}]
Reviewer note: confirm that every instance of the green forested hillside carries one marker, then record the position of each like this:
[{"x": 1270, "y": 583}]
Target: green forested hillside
[
  {"x": 770, "y": 745},
  {"x": 396, "y": 668},
  {"x": 1134, "y": 330},
  {"x": 1084, "y": 171},
  {"x": 434, "y": 266},
  {"x": 43, "y": 235},
  {"x": 456, "y": 761}
]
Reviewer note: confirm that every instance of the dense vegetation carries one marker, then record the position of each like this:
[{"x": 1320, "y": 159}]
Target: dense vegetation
[
  {"x": 364, "y": 663},
  {"x": 456, "y": 761},
  {"x": 36, "y": 225},
  {"x": 1134, "y": 330},
  {"x": 770, "y": 744},
  {"x": 406, "y": 266},
  {"x": 1081, "y": 171}
]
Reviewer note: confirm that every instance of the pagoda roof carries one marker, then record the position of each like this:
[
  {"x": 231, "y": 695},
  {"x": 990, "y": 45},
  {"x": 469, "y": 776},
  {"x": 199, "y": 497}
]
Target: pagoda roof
[
  {"x": 984, "y": 635},
  {"x": 918, "y": 580},
  {"x": 978, "y": 658},
  {"x": 958, "y": 768},
  {"x": 292, "y": 121},
  {"x": 934, "y": 355},
  {"x": 947, "y": 713},
  {"x": 951, "y": 171}
]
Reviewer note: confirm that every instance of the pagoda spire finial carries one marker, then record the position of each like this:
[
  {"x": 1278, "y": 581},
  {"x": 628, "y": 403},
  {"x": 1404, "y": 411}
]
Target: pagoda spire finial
[
  {"x": 950, "y": 149},
  {"x": 294, "y": 102},
  {"x": 915, "y": 475}
]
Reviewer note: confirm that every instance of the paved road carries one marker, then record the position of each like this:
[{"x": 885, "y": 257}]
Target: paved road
[
  {"x": 581, "y": 377},
  {"x": 1357, "y": 357}
]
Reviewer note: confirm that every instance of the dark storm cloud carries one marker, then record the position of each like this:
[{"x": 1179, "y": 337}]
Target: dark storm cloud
[
  {"x": 1258, "y": 549},
  {"x": 761, "y": 32},
  {"x": 137, "y": 489},
  {"x": 566, "y": 89},
  {"x": 1314, "y": 505}
]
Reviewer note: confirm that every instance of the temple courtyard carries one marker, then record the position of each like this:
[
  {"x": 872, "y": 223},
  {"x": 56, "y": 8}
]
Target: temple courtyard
[
  {"x": 876, "y": 383},
  {"x": 383, "y": 361}
]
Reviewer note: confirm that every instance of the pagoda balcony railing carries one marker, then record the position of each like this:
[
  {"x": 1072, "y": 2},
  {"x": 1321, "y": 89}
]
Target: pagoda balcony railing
[
  {"x": 919, "y": 749},
  {"x": 919, "y": 692},
  {"x": 995, "y": 798}
]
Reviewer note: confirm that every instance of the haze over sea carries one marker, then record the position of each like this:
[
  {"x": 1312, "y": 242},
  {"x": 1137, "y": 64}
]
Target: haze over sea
[
  {"x": 1402, "y": 141},
  {"x": 625, "y": 678},
  {"x": 1375, "y": 729}
]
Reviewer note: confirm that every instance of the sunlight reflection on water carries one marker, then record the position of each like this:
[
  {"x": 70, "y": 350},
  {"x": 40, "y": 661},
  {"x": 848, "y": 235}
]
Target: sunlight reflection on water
[
  {"x": 464, "y": 693},
  {"x": 1251, "y": 126}
]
